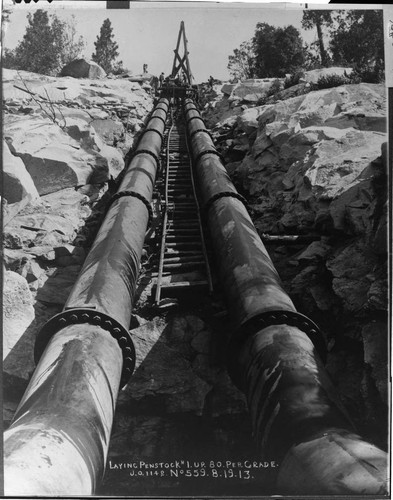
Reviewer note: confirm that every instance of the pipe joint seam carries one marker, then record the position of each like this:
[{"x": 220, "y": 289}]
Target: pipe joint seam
[
  {"x": 147, "y": 152},
  {"x": 290, "y": 318},
  {"x": 80, "y": 315},
  {"x": 153, "y": 129},
  {"x": 200, "y": 130},
  {"x": 193, "y": 117},
  {"x": 133, "y": 194},
  {"x": 224, "y": 194},
  {"x": 159, "y": 107},
  {"x": 159, "y": 118},
  {"x": 208, "y": 152},
  {"x": 264, "y": 320}
]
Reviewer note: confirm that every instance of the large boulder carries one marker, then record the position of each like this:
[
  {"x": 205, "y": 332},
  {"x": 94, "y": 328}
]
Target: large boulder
[
  {"x": 94, "y": 137},
  {"x": 109, "y": 130},
  {"x": 227, "y": 88},
  {"x": 58, "y": 286},
  {"x": 53, "y": 158},
  {"x": 314, "y": 75},
  {"x": 19, "y": 87},
  {"x": 248, "y": 120},
  {"x": 80, "y": 68},
  {"x": 54, "y": 223},
  {"x": 298, "y": 148},
  {"x": 332, "y": 167},
  {"x": 17, "y": 182},
  {"x": 253, "y": 86},
  {"x": 18, "y": 310},
  {"x": 326, "y": 107}
]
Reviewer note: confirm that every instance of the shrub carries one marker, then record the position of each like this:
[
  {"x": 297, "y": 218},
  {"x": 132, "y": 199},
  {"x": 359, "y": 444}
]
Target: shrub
[
  {"x": 329, "y": 81},
  {"x": 368, "y": 73},
  {"x": 293, "y": 79},
  {"x": 275, "y": 87}
]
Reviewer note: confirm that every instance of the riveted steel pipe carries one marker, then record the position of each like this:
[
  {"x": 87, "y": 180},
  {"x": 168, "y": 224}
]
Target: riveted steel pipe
[
  {"x": 58, "y": 440},
  {"x": 298, "y": 420},
  {"x": 275, "y": 352}
]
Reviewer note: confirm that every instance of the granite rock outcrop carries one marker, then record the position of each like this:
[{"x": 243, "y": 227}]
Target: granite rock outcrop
[{"x": 315, "y": 164}]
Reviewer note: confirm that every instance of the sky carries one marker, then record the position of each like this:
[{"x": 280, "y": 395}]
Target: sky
[{"x": 147, "y": 32}]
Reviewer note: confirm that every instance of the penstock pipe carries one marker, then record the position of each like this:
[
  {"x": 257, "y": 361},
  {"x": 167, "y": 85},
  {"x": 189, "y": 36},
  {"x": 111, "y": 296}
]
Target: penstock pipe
[
  {"x": 276, "y": 354},
  {"x": 58, "y": 440}
]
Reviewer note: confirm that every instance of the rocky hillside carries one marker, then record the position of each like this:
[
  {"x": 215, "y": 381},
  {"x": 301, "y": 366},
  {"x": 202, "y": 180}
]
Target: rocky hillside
[
  {"x": 315, "y": 165},
  {"x": 309, "y": 164},
  {"x": 64, "y": 142}
]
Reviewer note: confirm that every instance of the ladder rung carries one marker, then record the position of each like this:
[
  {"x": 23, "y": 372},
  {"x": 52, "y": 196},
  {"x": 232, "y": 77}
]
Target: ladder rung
[
  {"x": 183, "y": 284},
  {"x": 184, "y": 265}
]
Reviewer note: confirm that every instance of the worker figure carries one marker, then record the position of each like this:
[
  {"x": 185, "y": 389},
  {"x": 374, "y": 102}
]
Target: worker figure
[
  {"x": 145, "y": 68},
  {"x": 161, "y": 78},
  {"x": 211, "y": 82},
  {"x": 183, "y": 79}
]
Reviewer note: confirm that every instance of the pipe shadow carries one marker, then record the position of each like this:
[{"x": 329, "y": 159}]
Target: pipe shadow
[{"x": 180, "y": 423}]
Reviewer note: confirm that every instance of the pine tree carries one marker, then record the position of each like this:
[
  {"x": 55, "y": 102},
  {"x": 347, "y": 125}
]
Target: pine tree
[
  {"x": 319, "y": 19},
  {"x": 278, "y": 51},
  {"x": 47, "y": 45},
  {"x": 36, "y": 52},
  {"x": 106, "y": 48},
  {"x": 241, "y": 63},
  {"x": 68, "y": 44},
  {"x": 359, "y": 42}
]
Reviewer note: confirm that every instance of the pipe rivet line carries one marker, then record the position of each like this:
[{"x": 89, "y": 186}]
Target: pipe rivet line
[
  {"x": 162, "y": 109},
  {"x": 225, "y": 194},
  {"x": 160, "y": 118},
  {"x": 121, "y": 194},
  {"x": 204, "y": 130},
  {"x": 147, "y": 152},
  {"x": 153, "y": 130},
  {"x": 193, "y": 118},
  {"x": 208, "y": 152}
]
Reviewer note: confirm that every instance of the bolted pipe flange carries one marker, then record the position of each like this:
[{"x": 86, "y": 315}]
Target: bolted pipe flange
[
  {"x": 91, "y": 316},
  {"x": 270, "y": 318}
]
